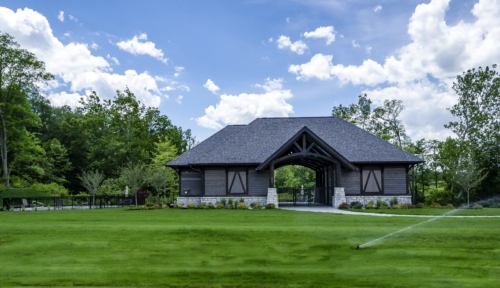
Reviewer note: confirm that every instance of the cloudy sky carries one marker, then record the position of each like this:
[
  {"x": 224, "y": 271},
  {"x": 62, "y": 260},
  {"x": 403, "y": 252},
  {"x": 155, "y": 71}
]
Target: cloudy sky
[{"x": 207, "y": 64}]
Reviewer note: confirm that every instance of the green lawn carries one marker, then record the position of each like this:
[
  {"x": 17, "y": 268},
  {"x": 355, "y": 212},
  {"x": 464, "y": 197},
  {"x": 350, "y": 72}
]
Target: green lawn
[
  {"x": 233, "y": 248},
  {"x": 431, "y": 211}
]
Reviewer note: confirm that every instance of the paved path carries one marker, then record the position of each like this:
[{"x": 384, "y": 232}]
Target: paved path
[{"x": 327, "y": 209}]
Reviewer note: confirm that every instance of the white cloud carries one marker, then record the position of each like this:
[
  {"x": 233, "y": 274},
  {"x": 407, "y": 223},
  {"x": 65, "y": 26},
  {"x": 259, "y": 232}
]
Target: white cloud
[
  {"x": 354, "y": 44},
  {"x": 74, "y": 63},
  {"x": 270, "y": 40},
  {"x": 322, "y": 32},
  {"x": 243, "y": 108},
  {"x": 66, "y": 34},
  {"x": 377, "y": 8},
  {"x": 288, "y": 19},
  {"x": 179, "y": 99},
  {"x": 61, "y": 16},
  {"x": 437, "y": 49},
  {"x": 63, "y": 98},
  {"x": 136, "y": 47},
  {"x": 94, "y": 46},
  {"x": 73, "y": 18},
  {"x": 210, "y": 85},
  {"x": 178, "y": 70},
  {"x": 113, "y": 59},
  {"x": 297, "y": 46},
  {"x": 368, "y": 49}
]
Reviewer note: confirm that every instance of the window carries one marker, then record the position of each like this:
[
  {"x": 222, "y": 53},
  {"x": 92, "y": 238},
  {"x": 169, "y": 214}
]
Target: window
[
  {"x": 372, "y": 179},
  {"x": 237, "y": 181}
]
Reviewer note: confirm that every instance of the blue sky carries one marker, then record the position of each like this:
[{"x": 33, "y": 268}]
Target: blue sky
[{"x": 322, "y": 53}]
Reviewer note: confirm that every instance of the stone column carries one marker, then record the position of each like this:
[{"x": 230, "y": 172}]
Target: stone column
[
  {"x": 272, "y": 196},
  {"x": 338, "y": 197}
]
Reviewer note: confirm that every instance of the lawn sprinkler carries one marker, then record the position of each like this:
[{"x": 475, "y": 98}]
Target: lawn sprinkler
[{"x": 357, "y": 247}]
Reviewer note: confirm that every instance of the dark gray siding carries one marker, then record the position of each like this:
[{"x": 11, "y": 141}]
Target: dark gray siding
[
  {"x": 191, "y": 179},
  {"x": 258, "y": 182},
  {"x": 350, "y": 181},
  {"x": 395, "y": 180},
  {"x": 215, "y": 182}
]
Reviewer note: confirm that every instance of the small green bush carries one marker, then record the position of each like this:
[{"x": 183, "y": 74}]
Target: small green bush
[
  {"x": 52, "y": 189},
  {"x": 435, "y": 205},
  {"x": 223, "y": 201},
  {"x": 358, "y": 206},
  {"x": 165, "y": 206},
  {"x": 370, "y": 202},
  {"x": 449, "y": 206},
  {"x": 395, "y": 206},
  {"x": 230, "y": 201},
  {"x": 177, "y": 206},
  {"x": 150, "y": 204},
  {"x": 394, "y": 201},
  {"x": 439, "y": 195},
  {"x": 210, "y": 206},
  {"x": 252, "y": 205},
  {"x": 131, "y": 206},
  {"x": 404, "y": 206},
  {"x": 382, "y": 207},
  {"x": 230, "y": 206},
  {"x": 156, "y": 206},
  {"x": 354, "y": 204},
  {"x": 419, "y": 205},
  {"x": 23, "y": 208},
  {"x": 370, "y": 206},
  {"x": 242, "y": 206},
  {"x": 190, "y": 206},
  {"x": 219, "y": 206},
  {"x": 48, "y": 208},
  {"x": 344, "y": 206},
  {"x": 36, "y": 207},
  {"x": 242, "y": 200},
  {"x": 258, "y": 206},
  {"x": 477, "y": 207},
  {"x": 380, "y": 203},
  {"x": 144, "y": 207},
  {"x": 270, "y": 206},
  {"x": 202, "y": 206}
]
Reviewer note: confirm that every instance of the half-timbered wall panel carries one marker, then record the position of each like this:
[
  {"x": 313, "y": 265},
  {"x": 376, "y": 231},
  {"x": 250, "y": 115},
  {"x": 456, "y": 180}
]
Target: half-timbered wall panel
[
  {"x": 237, "y": 180},
  {"x": 191, "y": 180},
  {"x": 350, "y": 181},
  {"x": 258, "y": 182},
  {"x": 215, "y": 182},
  {"x": 395, "y": 180}
]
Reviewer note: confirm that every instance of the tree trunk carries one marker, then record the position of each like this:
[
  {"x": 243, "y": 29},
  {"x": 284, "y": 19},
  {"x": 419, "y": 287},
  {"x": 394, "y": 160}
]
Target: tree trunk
[
  {"x": 136, "y": 199},
  {"x": 3, "y": 149}
]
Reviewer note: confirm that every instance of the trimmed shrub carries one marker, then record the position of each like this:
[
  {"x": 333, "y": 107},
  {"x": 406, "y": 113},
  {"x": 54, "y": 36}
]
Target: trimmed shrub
[
  {"x": 258, "y": 206},
  {"x": 242, "y": 200},
  {"x": 36, "y": 207},
  {"x": 449, "y": 206},
  {"x": 23, "y": 208},
  {"x": 354, "y": 204},
  {"x": 395, "y": 206},
  {"x": 210, "y": 206},
  {"x": 219, "y": 206},
  {"x": 404, "y": 206},
  {"x": 252, "y": 205},
  {"x": 382, "y": 207},
  {"x": 242, "y": 206},
  {"x": 370, "y": 202},
  {"x": 223, "y": 201},
  {"x": 144, "y": 207},
  {"x": 394, "y": 201},
  {"x": 270, "y": 206},
  {"x": 165, "y": 206},
  {"x": 230, "y": 206},
  {"x": 230, "y": 201},
  {"x": 202, "y": 206},
  {"x": 177, "y": 206},
  {"x": 370, "y": 206},
  {"x": 190, "y": 206},
  {"x": 380, "y": 203},
  {"x": 48, "y": 208},
  {"x": 435, "y": 205},
  {"x": 358, "y": 206},
  {"x": 344, "y": 206},
  {"x": 52, "y": 189},
  {"x": 149, "y": 204},
  {"x": 419, "y": 205},
  {"x": 439, "y": 195},
  {"x": 156, "y": 206},
  {"x": 477, "y": 207}
]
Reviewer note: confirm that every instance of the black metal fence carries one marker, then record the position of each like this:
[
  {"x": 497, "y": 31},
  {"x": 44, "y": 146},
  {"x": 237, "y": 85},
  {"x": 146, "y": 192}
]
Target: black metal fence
[
  {"x": 304, "y": 196},
  {"x": 70, "y": 202}
]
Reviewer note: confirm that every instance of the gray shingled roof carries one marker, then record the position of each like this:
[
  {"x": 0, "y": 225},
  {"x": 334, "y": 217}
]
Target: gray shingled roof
[{"x": 257, "y": 141}]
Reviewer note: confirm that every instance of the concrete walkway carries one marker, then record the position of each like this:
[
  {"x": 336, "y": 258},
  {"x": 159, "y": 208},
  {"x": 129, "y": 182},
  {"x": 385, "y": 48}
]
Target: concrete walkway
[{"x": 328, "y": 209}]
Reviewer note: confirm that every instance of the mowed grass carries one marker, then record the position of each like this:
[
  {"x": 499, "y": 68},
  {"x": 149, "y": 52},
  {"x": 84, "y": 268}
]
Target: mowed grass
[
  {"x": 233, "y": 248},
  {"x": 434, "y": 211}
]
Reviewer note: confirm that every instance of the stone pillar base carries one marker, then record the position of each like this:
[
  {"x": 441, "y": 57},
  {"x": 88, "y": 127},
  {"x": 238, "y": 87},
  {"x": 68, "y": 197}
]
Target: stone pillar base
[
  {"x": 338, "y": 197},
  {"x": 272, "y": 196}
]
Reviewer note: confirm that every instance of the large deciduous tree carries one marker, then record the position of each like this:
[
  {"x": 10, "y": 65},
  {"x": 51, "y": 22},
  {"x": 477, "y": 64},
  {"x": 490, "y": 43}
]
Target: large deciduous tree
[{"x": 21, "y": 73}]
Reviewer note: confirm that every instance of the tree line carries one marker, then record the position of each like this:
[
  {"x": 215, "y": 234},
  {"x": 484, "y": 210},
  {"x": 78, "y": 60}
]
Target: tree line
[
  {"x": 469, "y": 162},
  {"x": 44, "y": 144}
]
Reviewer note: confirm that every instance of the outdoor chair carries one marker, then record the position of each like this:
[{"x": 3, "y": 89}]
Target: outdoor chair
[{"x": 25, "y": 202}]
